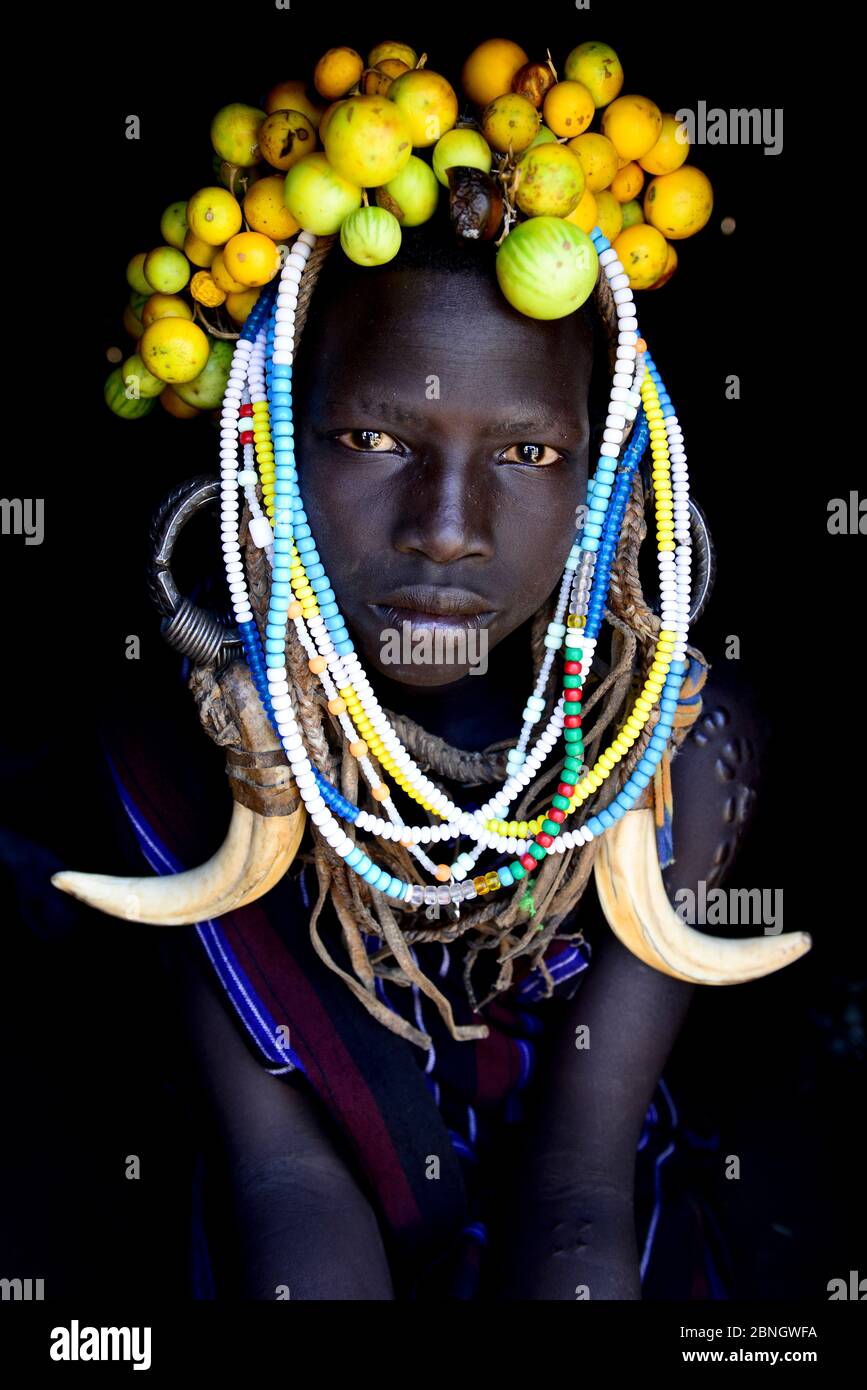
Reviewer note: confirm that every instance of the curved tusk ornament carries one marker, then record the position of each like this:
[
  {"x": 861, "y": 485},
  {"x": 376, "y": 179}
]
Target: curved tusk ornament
[
  {"x": 637, "y": 909},
  {"x": 267, "y": 825}
]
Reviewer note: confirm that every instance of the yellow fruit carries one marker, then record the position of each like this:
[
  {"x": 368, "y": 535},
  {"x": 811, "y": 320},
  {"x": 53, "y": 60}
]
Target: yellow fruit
[
  {"x": 132, "y": 323},
  {"x": 585, "y": 214},
  {"x": 173, "y": 223},
  {"x": 285, "y": 137},
  {"x": 222, "y": 278},
  {"x": 337, "y": 72},
  {"x": 679, "y": 204},
  {"x": 368, "y": 141},
  {"x": 174, "y": 349},
  {"x": 167, "y": 269},
  {"x": 239, "y": 305},
  {"x": 598, "y": 67},
  {"x": 670, "y": 150},
  {"x": 428, "y": 102},
  {"x": 252, "y": 258},
  {"x": 198, "y": 251},
  {"x": 135, "y": 276},
  {"x": 327, "y": 114},
  {"x": 235, "y": 133},
  {"x": 376, "y": 81},
  {"x": 295, "y": 96},
  {"x": 599, "y": 158},
  {"x": 173, "y": 404},
  {"x": 488, "y": 71},
  {"x": 550, "y": 181},
  {"x": 633, "y": 125},
  {"x": 609, "y": 215},
  {"x": 165, "y": 306},
  {"x": 388, "y": 50},
  {"x": 643, "y": 252},
  {"x": 669, "y": 269},
  {"x": 146, "y": 384},
  {"x": 628, "y": 182},
  {"x": 317, "y": 196},
  {"x": 510, "y": 122},
  {"x": 214, "y": 215},
  {"x": 266, "y": 211},
  {"x": 462, "y": 146},
  {"x": 204, "y": 288},
  {"x": 568, "y": 108}
]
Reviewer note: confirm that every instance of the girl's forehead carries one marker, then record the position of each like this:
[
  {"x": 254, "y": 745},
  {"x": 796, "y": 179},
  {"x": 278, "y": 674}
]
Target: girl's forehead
[{"x": 375, "y": 336}]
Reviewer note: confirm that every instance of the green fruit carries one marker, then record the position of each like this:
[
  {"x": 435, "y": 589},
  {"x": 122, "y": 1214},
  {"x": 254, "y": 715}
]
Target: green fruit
[
  {"x": 632, "y": 213},
  {"x": 463, "y": 146},
  {"x": 117, "y": 400},
  {"x": 173, "y": 225},
  {"x": 206, "y": 391},
  {"x": 317, "y": 196},
  {"x": 551, "y": 181},
  {"x": 412, "y": 197},
  {"x": 135, "y": 276},
  {"x": 235, "y": 133},
  {"x": 545, "y": 137},
  {"x": 167, "y": 269},
  {"x": 547, "y": 267},
  {"x": 147, "y": 384},
  {"x": 370, "y": 236},
  {"x": 138, "y": 301}
]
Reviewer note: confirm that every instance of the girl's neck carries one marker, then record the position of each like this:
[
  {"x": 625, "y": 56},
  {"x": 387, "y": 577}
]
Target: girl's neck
[{"x": 476, "y": 710}]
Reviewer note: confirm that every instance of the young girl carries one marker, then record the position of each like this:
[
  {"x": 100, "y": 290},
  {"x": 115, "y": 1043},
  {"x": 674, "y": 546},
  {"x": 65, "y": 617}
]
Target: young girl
[{"x": 471, "y": 1122}]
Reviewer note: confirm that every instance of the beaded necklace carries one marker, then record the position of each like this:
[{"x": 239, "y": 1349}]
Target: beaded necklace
[{"x": 257, "y": 412}]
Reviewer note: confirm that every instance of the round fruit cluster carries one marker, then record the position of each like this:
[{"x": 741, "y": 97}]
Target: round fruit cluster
[{"x": 534, "y": 163}]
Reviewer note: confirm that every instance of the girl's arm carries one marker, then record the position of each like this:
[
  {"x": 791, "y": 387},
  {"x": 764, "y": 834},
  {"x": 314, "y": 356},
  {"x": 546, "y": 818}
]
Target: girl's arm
[{"x": 571, "y": 1227}]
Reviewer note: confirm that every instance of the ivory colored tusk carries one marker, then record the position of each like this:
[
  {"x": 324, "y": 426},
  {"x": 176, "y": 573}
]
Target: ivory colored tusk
[
  {"x": 636, "y": 906},
  {"x": 255, "y": 855}
]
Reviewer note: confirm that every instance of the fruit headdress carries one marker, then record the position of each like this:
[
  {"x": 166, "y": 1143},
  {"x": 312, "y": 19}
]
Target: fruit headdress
[{"x": 528, "y": 160}]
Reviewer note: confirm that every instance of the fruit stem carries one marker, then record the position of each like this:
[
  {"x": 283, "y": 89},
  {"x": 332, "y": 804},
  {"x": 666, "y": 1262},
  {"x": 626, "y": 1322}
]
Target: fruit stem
[
  {"x": 215, "y": 332},
  {"x": 364, "y": 197},
  {"x": 551, "y": 65},
  {"x": 421, "y": 62}
]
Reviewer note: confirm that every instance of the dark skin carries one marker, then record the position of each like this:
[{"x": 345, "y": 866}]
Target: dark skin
[{"x": 456, "y": 498}]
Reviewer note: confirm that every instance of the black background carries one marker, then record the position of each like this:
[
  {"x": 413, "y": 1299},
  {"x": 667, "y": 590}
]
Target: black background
[{"x": 771, "y": 1067}]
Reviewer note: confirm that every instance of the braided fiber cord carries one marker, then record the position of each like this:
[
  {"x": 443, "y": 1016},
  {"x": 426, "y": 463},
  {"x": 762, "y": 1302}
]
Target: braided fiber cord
[{"x": 501, "y": 922}]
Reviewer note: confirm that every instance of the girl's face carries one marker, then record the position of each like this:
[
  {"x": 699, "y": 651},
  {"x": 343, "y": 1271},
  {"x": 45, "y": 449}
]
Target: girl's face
[{"x": 442, "y": 444}]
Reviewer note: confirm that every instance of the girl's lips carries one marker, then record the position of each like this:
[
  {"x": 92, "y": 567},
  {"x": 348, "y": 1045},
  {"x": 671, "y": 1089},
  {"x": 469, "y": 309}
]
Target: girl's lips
[{"x": 393, "y": 617}]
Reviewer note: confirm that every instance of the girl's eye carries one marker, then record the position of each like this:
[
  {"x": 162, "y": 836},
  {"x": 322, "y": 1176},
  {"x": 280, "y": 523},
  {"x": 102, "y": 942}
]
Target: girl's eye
[
  {"x": 368, "y": 441},
  {"x": 539, "y": 455}
]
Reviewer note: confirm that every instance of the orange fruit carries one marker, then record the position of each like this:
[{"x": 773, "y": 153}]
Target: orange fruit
[
  {"x": 643, "y": 251},
  {"x": 337, "y": 72},
  {"x": 633, "y": 124},
  {"x": 628, "y": 182},
  {"x": 488, "y": 71},
  {"x": 252, "y": 258},
  {"x": 266, "y": 211},
  {"x": 679, "y": 204},
  {"x": 568, "y": 108}
]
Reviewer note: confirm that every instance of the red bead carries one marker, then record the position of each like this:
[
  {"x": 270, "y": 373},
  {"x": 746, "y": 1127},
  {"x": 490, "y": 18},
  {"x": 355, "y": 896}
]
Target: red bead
[
  {"x": 572, "y": 668},
  {"x": 555, "y": 813},
  {"x": 543, "y": 838},
  {"x": 247, "y": 437},
  {"x": 528, "y": 862},
  {"x": 246, "y": 409},
  {"x": 572, "y": 697},
  {"x": 563, "y": 789},
  {"x": 572, "y": 721}
]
